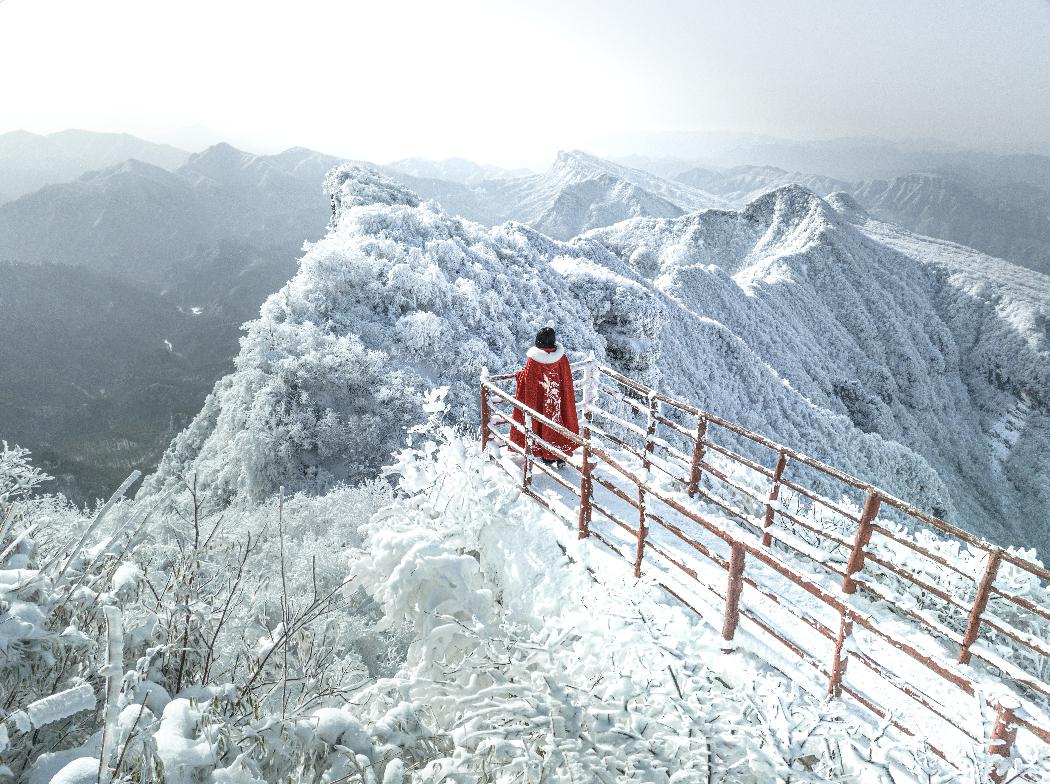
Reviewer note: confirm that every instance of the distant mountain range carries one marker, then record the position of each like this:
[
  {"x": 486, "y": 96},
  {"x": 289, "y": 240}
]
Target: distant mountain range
[
  {"x": 452, "y": 169},
  {"x": 29, "y": 161},
  {"x": 159, "y": 268},
  {"x": 579, "y": 192},
  {"x": 190, "y": 245},
  {"x": 140, "y": 221},
  {"x": 1002, "y": 217},
  {"x": 1008, "y": 219}
]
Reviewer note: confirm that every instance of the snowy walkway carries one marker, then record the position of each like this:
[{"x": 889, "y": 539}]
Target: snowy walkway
[{"x": 895, "y": 666}]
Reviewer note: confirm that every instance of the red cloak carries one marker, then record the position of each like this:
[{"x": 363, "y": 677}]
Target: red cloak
[{"x": 545, "y": 385}]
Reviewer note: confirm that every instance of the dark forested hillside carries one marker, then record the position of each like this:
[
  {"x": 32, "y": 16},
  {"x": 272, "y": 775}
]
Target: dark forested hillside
[
  {"x": 97, "y": 375},
  {"x": 122, "y": 294}
]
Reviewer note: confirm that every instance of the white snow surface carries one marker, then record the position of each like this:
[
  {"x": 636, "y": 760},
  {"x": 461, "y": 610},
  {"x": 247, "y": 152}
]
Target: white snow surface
[
  {"x": 892, "y": 356},
  {"x": 61, "y": 705},
  {"x": 80, "y": 771}
]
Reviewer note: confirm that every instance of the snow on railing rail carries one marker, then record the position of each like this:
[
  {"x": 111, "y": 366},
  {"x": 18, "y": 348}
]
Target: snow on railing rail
[{"x": 868, "y": 572}]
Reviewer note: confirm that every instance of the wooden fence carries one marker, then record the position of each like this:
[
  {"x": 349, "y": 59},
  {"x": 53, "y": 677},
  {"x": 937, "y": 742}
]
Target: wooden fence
[{"x": 678, "y": 440}]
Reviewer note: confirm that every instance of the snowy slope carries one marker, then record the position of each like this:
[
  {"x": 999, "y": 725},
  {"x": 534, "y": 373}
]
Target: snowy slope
[
  {"x": 578, "y": 193},
  {"x": 919, "y": 344},
  {"x": 803, "y": 319}
]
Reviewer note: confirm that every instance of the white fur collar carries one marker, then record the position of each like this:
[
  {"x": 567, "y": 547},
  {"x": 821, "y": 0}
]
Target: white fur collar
[{"x": 546, "y": 357}]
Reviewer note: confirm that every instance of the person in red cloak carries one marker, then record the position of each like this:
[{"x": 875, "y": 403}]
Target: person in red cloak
[{"x": 545, "y": 385}]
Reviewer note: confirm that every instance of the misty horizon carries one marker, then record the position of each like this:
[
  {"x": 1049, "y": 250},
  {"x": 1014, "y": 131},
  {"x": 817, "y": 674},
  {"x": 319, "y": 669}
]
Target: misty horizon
[
  {"x": 511, "y": 85},
  {"x": 716, "y": 149}
]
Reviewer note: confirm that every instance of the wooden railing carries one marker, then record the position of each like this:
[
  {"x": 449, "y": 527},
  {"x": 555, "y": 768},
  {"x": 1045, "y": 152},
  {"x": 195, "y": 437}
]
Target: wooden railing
[{"x": 856, "y": 544}]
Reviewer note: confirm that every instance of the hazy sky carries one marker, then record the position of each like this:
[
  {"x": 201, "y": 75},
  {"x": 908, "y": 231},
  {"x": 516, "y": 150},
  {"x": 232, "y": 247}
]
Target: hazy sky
[{"x": 513, "y": 82}]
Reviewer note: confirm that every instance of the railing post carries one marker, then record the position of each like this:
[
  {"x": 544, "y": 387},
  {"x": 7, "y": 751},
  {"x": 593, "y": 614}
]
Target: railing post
[
  {"x": 643, "y": 531},
  {"x": 584, "y": 520},
  {"x": 774, "y": 493},
  {"x": 643, "y": 528},
  {"x": 838, "y": 667},
  {"x": 734, "y": 585},
  {"x": 590, "y": 389},
  {"x": 1001, "y": 740},
  {"x": 860, "y": 541},
  {"x": 698, "y": 455},
  {"x": 484, "y": 411},
  {"x": 525, "y": 464},
  {"x": 980, "y": 602},
  {"x": 650, "y": 431}
]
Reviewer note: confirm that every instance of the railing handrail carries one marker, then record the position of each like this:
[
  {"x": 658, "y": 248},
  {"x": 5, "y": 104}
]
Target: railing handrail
[
  {"x": 745, "y": 544},
  {"x": 911, "y": 510}
]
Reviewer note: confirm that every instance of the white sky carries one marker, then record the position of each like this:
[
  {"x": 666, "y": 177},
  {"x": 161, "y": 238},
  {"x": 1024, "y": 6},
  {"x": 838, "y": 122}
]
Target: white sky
[{"x": 511, "y": 83}]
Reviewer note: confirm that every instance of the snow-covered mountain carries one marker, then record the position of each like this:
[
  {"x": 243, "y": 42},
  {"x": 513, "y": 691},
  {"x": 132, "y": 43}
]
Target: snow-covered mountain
[
  {"x": 1008, "y": 219},
  {"x": 29, "y": 161},
  {"x": 742, "y": 184},
  {"x": 579, "y": 192},
  {"x": 1011, "y": 221},
  {"x": 452, "y": 169},
  {"x": 920, "y": 365},
  {"x": 1002, "y": 217}
]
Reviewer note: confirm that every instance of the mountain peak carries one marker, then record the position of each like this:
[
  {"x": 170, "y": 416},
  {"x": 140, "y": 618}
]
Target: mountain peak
[
  {"x": 221, "y": 155},
  {"x": 351, "y": 185},
  {"x": 133, "y": 168},
  {"x": 572, "y": 156},
  {"x": 845, "y": 205},
  {"x": 583, "y": 163},
  {"x": 791, "y": 202},
  {"x": 19, "y": 135}
]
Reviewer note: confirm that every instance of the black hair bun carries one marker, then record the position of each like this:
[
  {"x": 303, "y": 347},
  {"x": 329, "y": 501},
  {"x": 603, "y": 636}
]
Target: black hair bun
[{"x": 546, "y": 338}]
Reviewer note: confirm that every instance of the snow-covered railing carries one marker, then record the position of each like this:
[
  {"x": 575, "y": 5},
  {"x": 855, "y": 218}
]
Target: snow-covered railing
[{"x": 868, "y": 562}]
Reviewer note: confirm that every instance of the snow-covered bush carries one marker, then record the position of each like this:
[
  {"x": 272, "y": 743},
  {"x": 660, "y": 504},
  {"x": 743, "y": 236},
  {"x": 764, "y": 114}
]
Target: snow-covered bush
[
  {"x": 180, "y": 637},
  {"x": 18, "y": 477}
]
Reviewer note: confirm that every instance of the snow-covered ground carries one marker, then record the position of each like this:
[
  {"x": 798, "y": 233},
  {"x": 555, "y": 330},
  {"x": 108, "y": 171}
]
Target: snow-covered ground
[
  {"x": 882, "y": 675},
  {"x": 450, "y": 632}
]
